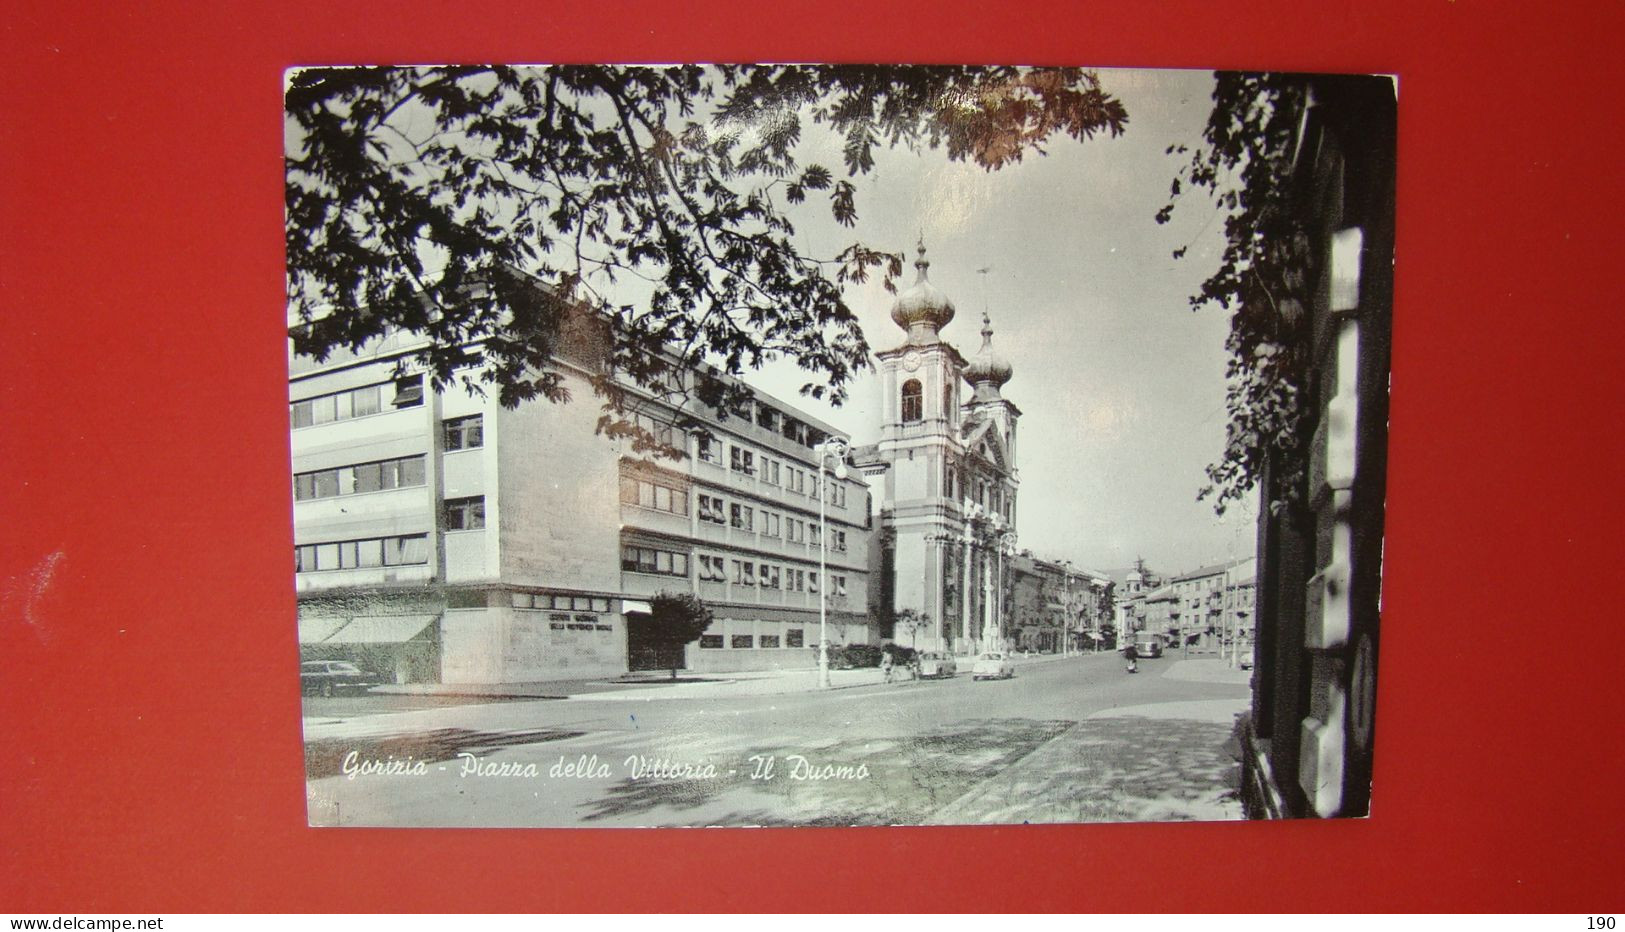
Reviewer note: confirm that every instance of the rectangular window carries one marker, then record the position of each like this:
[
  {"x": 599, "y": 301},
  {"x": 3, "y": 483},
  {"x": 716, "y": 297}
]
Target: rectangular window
[
  {"x": 411, "y": 471},
  {"x": 744, "y": 573},
  {"x": 301, "y": 414},
  {"x": 408, "y": 391},
  {"x": 465, "y": 514},
  {"x": 369, "y": 477},
  {"x": 650, "y": 560},
  {"x": 742, "y": 517},
  {"x": 365, "y": 401},
  {"x": 812, "y": 581},
  {"x": 770, "y": 577},
  {"x": 710, "y": 450},
  {"x": 710, "y": 642},
  {"x": 770, "y": 524},
  {"x": 839, "y": 583},
  {"x": 793, "y": 637},
  {"x": 465, "y": 433},
  {"x": 742, "y": 460},
  {"x": 840, "y": 540},
  {"x": 742, "y": 641},
  {"x": 327, "y": 483},
  {"x": 406, "y": 551},
  {"x": 770, "y": 640},
  {"x": 711, "y": 509},
  {"x": 370, "y": 552},
  {"x": 324, "y": 410}
]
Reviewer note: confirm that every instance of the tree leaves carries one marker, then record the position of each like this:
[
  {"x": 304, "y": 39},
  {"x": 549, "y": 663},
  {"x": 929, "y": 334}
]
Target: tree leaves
[
  {"x": 1244, "y": 164},
  {"x": 484, "y": 209}
]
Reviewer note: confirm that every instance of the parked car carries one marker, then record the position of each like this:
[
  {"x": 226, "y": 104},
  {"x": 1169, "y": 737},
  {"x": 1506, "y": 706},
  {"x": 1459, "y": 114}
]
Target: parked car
[
  {"x": 1246, "y": 661},
  {"x": 934, "y": 664},
  {"x": 992, "y": 665},
  {"x": 331, "y": 677},
  {"x": 1148, "y": 645}
]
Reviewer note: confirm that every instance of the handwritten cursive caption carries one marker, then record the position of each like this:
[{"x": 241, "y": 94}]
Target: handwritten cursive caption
[{"x": 760, "y": 768}]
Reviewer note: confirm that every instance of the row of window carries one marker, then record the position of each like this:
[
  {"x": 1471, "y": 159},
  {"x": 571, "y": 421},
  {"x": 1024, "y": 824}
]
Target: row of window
[
  {"x": 769, "y": 470},
  {"x": 652, "y": 560},
  {"x": 657, "y": 495},
  {"x": 716, "y": 510},
  {"x": 405, "y": 392},
  {"x": 576, "y": 603},
  {"x": 765, "y": 575},
  {"x": 402, "y": 473},
  {"x": 793, "y": 637},
  {"x": 408, "y": 550}
]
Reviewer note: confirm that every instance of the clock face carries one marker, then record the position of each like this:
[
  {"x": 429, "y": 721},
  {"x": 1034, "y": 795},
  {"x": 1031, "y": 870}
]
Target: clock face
[{"x": 911, "y": 361}]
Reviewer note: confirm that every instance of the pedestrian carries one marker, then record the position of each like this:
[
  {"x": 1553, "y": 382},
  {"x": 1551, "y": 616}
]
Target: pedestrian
[{"x": 885, "y": 666}]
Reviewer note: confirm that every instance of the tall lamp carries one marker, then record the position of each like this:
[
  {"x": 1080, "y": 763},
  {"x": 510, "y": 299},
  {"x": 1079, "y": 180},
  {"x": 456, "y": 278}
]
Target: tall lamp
[{"x": 839, "y": 449}]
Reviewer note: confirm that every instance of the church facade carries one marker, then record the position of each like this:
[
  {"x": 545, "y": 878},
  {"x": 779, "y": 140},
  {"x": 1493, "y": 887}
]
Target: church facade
[{"x": 944, "y": 474}]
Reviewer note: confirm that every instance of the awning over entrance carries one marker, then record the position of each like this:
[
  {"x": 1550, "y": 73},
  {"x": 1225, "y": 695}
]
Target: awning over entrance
[
  {"x": 628, "y": 606},
  {"x": 377, "y": 629},
  {"x": 317, "y": 630}
]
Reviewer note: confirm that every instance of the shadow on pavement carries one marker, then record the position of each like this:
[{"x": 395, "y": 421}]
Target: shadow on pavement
[{"x": 904, "y": 780}]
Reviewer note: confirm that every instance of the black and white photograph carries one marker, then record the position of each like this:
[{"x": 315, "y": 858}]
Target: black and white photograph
[{"x": 836, "y": 445}]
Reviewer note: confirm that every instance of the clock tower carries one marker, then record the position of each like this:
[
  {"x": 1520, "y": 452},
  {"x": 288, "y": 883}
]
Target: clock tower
[{"x": 924, "y": 473}]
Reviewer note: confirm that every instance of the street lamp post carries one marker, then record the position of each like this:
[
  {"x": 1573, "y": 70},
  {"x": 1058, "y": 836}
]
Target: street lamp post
[{"x": 839, "y": 448}]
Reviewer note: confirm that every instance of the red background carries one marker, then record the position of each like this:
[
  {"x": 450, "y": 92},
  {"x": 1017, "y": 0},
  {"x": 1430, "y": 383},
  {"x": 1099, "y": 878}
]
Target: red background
[{"x": 150, "y": 757}]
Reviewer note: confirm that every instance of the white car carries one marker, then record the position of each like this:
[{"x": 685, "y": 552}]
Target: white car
[
  {"x": 992, "y": 665},
  {"x": 934, "y": 664}
]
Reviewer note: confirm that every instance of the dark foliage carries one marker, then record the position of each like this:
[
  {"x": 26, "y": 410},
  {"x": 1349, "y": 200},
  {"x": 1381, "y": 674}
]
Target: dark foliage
[
  {"x": 1244, "y": 164},
  {"x": 481, "y": 207},
  {"x": 675, "y": 619}
]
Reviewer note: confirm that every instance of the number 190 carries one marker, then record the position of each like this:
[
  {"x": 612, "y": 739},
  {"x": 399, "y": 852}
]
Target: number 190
[{"x": 1599, "y": 922}]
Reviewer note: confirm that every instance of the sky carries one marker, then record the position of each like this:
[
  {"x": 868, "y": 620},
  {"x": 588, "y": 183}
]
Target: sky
[{"x": 1120, "y": 383}]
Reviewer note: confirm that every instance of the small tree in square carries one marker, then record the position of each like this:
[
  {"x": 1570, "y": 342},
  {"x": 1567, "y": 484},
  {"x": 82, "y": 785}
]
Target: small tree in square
[{"x": 676, "y": 619}]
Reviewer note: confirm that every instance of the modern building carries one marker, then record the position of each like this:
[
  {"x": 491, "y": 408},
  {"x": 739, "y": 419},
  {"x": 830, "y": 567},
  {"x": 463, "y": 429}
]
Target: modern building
[
  {"x": 944, "y": 471},
  {"x": 440, "y": 537}
]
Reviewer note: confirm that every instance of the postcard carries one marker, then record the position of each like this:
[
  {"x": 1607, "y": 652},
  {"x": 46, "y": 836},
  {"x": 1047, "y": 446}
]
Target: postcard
[{"x": 837, "y": 445}]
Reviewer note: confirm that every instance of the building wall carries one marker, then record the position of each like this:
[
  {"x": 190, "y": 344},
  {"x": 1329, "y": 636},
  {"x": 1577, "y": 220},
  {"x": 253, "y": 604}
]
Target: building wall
[
  {"x": 1319, "y": 574},
  {"x": 539, "y": 592}
]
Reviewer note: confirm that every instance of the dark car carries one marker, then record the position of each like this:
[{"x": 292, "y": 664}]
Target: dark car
[{"x": 331, "y": 677}]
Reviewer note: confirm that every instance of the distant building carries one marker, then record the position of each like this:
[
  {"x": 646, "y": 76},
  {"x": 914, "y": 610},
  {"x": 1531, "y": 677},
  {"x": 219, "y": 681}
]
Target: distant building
[{"x": 439, "y": 537}]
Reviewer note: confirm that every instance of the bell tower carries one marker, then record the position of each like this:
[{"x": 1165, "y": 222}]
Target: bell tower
[{"x": 915, "y": 463}]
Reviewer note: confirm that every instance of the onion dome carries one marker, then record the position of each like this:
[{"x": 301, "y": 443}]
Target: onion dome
[
  {"x": 923, "y": 309},
  {"x": 988, "y": 371}
]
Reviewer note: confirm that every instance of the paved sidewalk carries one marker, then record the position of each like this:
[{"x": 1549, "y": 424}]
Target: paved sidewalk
[
  {"x": 687, "y": 686},
  {"x": 1207, "y": 670},
  {"x": 1167, "y": 761}
]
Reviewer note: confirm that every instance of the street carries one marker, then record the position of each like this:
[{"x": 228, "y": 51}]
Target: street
[{"x": 1074, "y": 739}]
